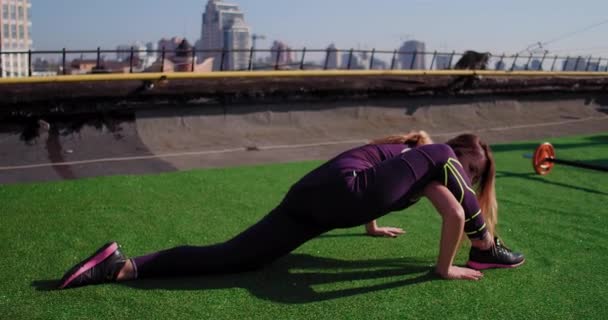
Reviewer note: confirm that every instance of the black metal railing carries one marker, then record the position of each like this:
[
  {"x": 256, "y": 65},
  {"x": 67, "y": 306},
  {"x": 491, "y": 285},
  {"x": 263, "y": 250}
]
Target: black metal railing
[{"x": 64, "y": 61}]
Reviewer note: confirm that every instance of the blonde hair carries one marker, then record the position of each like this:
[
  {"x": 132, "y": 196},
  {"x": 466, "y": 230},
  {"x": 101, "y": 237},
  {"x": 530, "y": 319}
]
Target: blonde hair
[
  {"x": 417, "y": 137},
  {"x": 487, "y": 191}
]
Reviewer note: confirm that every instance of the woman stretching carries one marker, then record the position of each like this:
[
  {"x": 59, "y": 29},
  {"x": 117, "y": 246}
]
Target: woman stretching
[{"x": 352, "y": 189}]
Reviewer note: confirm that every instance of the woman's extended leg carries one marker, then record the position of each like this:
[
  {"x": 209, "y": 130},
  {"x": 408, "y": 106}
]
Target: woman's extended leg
[
  {"x": 272, "y": 237},
  {"x": 275, "y": 235}
]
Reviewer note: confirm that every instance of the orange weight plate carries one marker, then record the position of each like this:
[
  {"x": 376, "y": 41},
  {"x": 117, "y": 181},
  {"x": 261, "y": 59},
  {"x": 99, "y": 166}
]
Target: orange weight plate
[{"x": 540, "y": 161}]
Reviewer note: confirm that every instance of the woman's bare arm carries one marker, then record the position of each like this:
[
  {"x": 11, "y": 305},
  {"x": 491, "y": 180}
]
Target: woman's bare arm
[{"x": 452, "y": 227}]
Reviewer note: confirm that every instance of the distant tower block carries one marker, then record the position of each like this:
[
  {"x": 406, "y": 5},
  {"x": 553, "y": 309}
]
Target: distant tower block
[
  {"x": 15, "y": 37},
  {"x": 412, "y": 55},
  {"x": 333, "y": 58},
  {"x": 224, "y": 28}
]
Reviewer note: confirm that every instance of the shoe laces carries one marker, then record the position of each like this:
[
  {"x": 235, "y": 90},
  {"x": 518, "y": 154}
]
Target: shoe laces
[{"x": 499, "y": 248}]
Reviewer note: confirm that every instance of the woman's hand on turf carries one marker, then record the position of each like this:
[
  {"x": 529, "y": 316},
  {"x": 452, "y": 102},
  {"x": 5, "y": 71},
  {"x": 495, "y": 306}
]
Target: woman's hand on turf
[
  {"x": 387, "y": 232},
  {"x": 460, "y": 273},
  {"x": 372, "y": 229}
]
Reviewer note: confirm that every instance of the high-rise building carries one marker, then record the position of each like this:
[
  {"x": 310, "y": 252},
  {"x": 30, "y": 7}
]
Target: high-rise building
[
  {"x": 281, "y": 55},
  {"x": 15, "y": 37},
  {"x": 412, "y": 55},
  {"x": 354, "y": 61},
  {"x": 333, "y": 58},
  {"x": 237, "y": 43},
  {"x": 224, "y": 28}
]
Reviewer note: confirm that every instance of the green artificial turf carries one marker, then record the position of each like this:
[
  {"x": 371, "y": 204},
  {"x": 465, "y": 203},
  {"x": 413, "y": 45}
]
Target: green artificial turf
[{"x": 559, "y": 221}]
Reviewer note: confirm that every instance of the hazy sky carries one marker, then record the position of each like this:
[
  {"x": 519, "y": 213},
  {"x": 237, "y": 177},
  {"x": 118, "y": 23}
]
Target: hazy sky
[{"x": 485, "y": 25}]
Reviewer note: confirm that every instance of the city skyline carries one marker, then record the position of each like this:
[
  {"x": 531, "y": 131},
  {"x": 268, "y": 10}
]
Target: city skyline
[{"x": 502, "y": 27}]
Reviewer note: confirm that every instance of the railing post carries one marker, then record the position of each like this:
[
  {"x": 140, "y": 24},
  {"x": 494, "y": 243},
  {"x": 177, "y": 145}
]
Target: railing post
[
  {"x": 162, "y": 59},
  {"x": 371, "y": 60},
  {"x": 98, "y": 58},
  {"x": 251, "y": 58},
  {"x": 289, "y": 61},
  {"x": 394, "y": 60},
  {"x": 276, "y": 62},
  {"x": 566, "y": 63},
  {"x": 514, "y": 61},
  {"x": 29, "y": 62},
  {"x": 433, "y": 60},
  {"x": 528, "y": 62},
  {"x": 540, "y": 66},
  {"x": 302, "y": 61},
  {"x": 413, "y": 59},
  {"x": 63, "y": 58},
  {"x": 350, "y": 59},
  {"x": 576, "y": 64},
  {"x": 553, "y": 64},
  {"x": 598, "y": 64},
  {"x": 451, "y": 60},
  {"x": 131, "y": 60},
  {"x": 193, "y": 59},
  {"x": 222, "y": 60},
  {"x": 327, "y": 58},
  {"x": 588, "y": 64}
]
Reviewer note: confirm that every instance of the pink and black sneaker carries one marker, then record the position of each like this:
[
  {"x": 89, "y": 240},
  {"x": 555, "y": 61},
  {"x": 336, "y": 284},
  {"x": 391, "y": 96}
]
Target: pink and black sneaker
[
  {"x": 103, "y": 266},
  {"x": 498, "y": 256}
]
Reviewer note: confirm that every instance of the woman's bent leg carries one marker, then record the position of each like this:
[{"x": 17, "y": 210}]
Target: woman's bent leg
[{"x": 274, "y": 236}]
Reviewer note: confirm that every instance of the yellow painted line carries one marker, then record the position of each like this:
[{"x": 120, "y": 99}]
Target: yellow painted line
[{"x": 294, "y": 74}]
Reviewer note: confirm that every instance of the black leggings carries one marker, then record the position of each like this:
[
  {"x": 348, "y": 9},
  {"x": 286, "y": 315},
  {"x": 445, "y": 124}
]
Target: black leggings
[
  {"x": 314, "y": 206},
  {"x": 277, "y": 234}
]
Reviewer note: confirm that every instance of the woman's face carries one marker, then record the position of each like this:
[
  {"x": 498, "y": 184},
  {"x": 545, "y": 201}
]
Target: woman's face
[{"x": 474, "y": 165}]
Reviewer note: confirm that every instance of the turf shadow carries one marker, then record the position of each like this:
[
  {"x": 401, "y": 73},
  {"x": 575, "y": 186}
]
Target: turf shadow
[
  {"x": 598, "y": 162},
  {"x": 45, "y": 285},
  {"x": 536, "y": 178},
  {"x": 291, "y": 280}
]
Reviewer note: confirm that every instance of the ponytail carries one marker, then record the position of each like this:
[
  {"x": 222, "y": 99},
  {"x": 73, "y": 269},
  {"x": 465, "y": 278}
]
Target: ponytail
[
  {"x": 415, "y": 137},
  {"x": 487, "y": 191}
]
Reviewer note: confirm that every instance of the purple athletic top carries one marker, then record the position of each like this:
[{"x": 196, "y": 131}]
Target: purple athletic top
[{"x": 370, "y": 181}]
